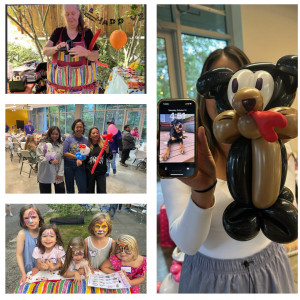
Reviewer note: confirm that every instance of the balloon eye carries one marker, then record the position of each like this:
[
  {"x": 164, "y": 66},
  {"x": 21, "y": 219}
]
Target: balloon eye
[
  {"x": 259, "y": 83},
  {"x": 235, "y": 85}
]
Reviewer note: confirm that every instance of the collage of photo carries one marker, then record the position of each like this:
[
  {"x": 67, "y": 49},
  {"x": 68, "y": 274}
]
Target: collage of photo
[{"x": 192, "y": 144}]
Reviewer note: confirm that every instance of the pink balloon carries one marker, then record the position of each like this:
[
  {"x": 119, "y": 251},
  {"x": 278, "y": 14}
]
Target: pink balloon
[
  {"x": 177, "y": 277},
  {"x": 175, "y": 269},
  {"x": 158, "y": 286},
  {"x": 112, "y": 129}
]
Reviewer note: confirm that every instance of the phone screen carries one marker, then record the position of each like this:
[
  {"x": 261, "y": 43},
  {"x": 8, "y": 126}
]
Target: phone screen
[{"x": 177, "y": 137}]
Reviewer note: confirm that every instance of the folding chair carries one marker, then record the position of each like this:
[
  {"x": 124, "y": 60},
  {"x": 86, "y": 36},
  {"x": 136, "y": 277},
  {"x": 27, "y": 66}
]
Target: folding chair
[
  {"x": 86, "y": 208},
  {"x": 16, "y": 148},
  {"x": 28, "y": 159},
  {"x": 140, "y": 156}
]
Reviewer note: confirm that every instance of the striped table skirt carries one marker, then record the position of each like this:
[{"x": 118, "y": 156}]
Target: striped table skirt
[{"x": 66, "y": 286}]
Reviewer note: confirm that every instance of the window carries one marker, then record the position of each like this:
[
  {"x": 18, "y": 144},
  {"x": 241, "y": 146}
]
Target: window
[
  {"x": 186, "y": 35},
  {"x": 88, "y": 119},
  {"x": 92, "y": 115},
  {"x": 163, "y": 80},
  {"x": 88, "y": 107},
  {"x": 195, "y": 50}
]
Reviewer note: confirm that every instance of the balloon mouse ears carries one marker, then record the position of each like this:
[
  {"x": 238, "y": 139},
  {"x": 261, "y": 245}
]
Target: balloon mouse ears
[
  {"x": 210, "y": 80},
  {"x": 213, "y": 84},
  {"x": 288, "y": 64}
]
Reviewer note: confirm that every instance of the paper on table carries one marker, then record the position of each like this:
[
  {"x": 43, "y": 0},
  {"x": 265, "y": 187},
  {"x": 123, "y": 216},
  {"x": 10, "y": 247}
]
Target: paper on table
[
  {"x": 43, "y": 276},
  {"x": 115, "y": 280}
]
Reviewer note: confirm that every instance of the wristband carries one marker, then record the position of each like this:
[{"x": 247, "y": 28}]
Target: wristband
[{"x": 208, "y": 189}]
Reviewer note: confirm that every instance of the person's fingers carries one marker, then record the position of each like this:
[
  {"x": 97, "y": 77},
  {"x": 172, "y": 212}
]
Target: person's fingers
[{"x": 203, "y": 148}]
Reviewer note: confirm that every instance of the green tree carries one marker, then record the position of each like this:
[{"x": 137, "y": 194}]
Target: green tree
[
  {"x": 22, "y": 14},
  {"x": 17, "y": 54}
]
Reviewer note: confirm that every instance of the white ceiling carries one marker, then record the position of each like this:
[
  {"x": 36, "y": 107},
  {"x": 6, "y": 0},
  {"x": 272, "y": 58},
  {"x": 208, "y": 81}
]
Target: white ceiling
[{"x": 27, "y": 106}]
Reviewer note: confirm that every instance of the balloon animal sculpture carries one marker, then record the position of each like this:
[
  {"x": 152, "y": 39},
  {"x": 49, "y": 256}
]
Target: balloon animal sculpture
[{"x": 254, "y": 116}]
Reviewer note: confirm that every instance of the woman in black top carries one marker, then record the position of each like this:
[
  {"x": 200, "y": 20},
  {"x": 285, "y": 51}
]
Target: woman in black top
[
  {"x": 96, "y": 144},
  {"x": 75, "y": 39}
]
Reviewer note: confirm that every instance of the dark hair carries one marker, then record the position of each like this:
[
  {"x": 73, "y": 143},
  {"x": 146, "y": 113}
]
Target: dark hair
[
  {"x": 22, "y": 211},
  {"x": 74, "y": 124},
  {"x": 126, "y": 126},
  {"x": 80, "y": 27},
  {"x": 232, "y": 52},
  {"x": 100, "y": 142},
  {"x": 241, "y": 59},
  {"x": 57, "y": 233},
  {"x": 51, "y": 129},
  {"x": 76, "y": 243}
]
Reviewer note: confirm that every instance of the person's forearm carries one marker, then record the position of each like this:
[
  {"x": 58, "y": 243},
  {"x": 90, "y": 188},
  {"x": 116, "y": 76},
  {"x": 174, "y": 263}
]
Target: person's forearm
[
  {"x": 92, "y": 55},
  {"x": 70, "y": 155},
  {"x": 136, "y": 281},
  {"x": 49, "y": 51},
  {"x": 69, "y": 274},
  {"x": 107, "y": 270},
  {"x": 182, "y": 210},
  {"x": 20, "y": 263}
]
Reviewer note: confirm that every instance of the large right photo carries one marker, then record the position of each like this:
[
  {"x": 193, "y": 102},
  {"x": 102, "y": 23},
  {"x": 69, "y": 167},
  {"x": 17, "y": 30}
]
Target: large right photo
[{"x": 227, "y": 80}]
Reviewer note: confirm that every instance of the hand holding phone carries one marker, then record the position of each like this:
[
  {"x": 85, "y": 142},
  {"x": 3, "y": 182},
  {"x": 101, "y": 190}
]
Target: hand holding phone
[{"x": 205, "y": 175}]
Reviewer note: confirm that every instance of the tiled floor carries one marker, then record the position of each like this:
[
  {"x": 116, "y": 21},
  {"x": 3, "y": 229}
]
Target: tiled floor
[{"x": 127, "y": 180}]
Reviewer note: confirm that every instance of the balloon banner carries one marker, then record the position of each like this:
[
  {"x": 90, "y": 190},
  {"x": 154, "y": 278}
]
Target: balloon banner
[{"x": 254, "y": 115}]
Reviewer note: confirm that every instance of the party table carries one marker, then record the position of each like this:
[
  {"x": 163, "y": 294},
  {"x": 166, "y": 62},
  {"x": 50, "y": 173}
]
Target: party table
[
  {"x": 65, "y": 286},
  {"x": 123, "y": 81}
]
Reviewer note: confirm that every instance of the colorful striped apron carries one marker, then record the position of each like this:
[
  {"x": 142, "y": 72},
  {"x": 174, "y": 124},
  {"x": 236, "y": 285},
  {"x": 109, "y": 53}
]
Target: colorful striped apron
[{"x": 68, "y": 75}]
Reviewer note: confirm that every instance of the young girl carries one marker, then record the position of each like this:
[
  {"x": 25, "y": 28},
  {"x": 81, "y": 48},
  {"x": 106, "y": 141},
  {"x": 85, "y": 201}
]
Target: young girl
[
  {"x": 30, "y": 145},
  {"x": 76, "y": 262},
  {"x": 98, "y": 246},
  {"x": 49, "y": 250},
  {"x": 96, "y": 144},
  {"x": 51, "y": 171},
  {"x": 128, "y": 260},
  {"x": 30, "y": 220}
]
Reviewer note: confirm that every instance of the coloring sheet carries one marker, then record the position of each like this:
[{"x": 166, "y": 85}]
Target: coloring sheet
[
  {"x": 115, "y": 280},
  {"x": 43, "y": 276}
]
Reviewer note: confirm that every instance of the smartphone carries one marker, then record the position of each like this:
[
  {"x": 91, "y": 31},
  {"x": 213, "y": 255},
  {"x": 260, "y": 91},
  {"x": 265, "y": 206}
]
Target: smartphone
[{"x": 177, "y": 130}]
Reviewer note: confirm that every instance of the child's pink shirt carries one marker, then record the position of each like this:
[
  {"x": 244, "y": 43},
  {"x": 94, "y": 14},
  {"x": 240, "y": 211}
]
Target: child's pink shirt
[
  {"x": 56, "y": 253},
  {"x": 140, "y": 271}
]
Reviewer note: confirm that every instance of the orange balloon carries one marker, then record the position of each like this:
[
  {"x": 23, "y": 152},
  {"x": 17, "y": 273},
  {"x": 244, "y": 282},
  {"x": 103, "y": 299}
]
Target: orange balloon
[{"x": 118, "y": 39}]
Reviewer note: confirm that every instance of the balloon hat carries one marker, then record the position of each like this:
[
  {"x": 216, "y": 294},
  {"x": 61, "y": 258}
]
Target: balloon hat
[
  {"x": 111, "y": 131},
  {"x": 254, "y": 116}
]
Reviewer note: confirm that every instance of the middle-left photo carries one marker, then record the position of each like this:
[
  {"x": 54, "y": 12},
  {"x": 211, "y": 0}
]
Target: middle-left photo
[{"x": 75, "y": 148}]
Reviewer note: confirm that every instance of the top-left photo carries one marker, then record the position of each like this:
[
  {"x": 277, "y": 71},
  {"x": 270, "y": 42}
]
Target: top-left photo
[{"x": 76, "y": 49}]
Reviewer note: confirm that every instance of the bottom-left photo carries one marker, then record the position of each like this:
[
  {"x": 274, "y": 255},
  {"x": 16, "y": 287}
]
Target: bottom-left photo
[{"x": 75, "y": 248}]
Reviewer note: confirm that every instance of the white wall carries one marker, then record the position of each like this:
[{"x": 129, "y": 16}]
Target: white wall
[{"x": 270, "y": 32}]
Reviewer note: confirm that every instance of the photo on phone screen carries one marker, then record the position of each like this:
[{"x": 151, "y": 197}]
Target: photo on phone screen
[{"x": 177, "y": 137}]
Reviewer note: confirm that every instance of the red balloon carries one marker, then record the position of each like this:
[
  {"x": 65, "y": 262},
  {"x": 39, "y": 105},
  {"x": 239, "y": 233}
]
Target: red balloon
[
  {"x": 158, "y": 286},
  {"x": 177, "y": 277},
  {"x": 175, "y": 269},
  {"x": 118, "y": 39}
]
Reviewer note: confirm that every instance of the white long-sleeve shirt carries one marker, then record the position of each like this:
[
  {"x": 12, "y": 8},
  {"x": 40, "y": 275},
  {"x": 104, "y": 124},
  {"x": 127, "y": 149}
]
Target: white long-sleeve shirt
[{"x": 195, "y": 229}]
